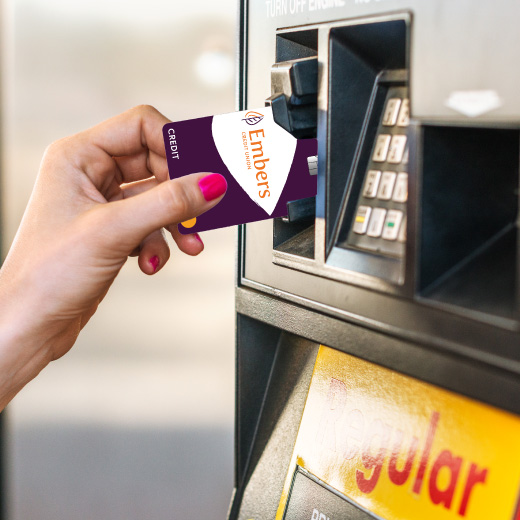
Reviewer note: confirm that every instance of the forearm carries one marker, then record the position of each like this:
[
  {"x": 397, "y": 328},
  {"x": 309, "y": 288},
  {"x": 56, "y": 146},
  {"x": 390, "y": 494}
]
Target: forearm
[
  {"x": 27, "y": 340},
  {"x": 23, "y": 354}
]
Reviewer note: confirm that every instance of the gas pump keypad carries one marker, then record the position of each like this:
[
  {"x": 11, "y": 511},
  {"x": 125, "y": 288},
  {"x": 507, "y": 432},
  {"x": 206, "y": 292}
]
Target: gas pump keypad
[{"x": 379, "y": 222}]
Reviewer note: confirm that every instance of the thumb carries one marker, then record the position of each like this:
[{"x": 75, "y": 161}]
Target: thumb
[{"x": 168, "y": 203}]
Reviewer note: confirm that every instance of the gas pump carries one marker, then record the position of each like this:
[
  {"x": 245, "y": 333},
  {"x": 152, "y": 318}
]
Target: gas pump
[{"x": 378, "y": 327}]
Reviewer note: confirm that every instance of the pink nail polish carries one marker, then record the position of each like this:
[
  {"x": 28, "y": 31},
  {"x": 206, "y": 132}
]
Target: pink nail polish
[
  {"x": 196, "y": 235},
  {"x": 154, "y": 262},
  {"x": 212, "y": 186}
]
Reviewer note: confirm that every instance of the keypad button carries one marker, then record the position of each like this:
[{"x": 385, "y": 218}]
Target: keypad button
[
  {"x": 386, "y": 187},
  {"x": 402, "y": 232},
  {"x": 404, "y": 113},
  {"x": 361, "y": 220},
  {"x": 401, "y": 188},
  {"x": 406, "y": 155},
  {"x": 396, "y": 151},
  {"x": 375, "y": 227},
  {"x": 371, "y": 184},
  {"x": 392, "y": 223},
  {"x": 381, "y": 148},
  {"x": 391, "y": 112}
]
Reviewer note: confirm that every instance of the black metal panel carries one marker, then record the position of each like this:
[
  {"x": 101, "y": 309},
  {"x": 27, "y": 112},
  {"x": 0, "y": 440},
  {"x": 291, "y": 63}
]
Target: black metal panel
[
  {"x": 276, "y": 428},
  {"x": 256, "y": 348},
  {"x": 431, "y": 363},
  {"x": 310, "y": 499}
]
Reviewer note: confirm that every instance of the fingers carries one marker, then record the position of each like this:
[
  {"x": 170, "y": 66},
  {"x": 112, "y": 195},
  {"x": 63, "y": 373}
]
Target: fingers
[
  {"x": 141, "y": 166},
  {"x": 190, "y": 244},
  {"x": 123, "y": 149},
  {"x": 131, "y": 220},
  {"x": 135, "y": 188},
  {"x": 154, "y": 253},
  {"x": 133, "y": 131}
]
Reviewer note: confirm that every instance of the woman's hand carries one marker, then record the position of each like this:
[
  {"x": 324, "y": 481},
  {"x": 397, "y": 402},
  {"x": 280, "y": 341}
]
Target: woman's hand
[{"x": 100, "y": 196}]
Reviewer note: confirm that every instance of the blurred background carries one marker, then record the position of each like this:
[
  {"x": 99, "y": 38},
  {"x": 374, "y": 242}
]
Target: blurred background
[{"x": 136, "y": 421}]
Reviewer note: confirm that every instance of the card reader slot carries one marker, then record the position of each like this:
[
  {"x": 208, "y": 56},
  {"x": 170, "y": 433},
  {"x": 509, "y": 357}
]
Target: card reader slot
[{"x": 294, "y": 84}]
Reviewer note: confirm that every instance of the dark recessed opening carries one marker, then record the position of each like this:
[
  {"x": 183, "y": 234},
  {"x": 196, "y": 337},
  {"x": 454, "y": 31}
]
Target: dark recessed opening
[
  {"x": 468, "y": 228},
  {"x": 295, "y": 235}
]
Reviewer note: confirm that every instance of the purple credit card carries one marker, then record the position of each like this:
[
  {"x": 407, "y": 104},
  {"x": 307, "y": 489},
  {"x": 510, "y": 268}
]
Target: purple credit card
[{"x": 265, "y": 166}]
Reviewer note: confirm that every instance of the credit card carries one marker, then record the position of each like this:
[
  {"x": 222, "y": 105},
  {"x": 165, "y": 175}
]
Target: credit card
[{"x": 264, "y": 165}]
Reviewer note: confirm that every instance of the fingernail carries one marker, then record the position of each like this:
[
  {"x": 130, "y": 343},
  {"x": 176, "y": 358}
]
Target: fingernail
[
  {"x": 212, "y": 186},
  {"x": 196, "y": 235},
  {"x": 154, "y": 262}
]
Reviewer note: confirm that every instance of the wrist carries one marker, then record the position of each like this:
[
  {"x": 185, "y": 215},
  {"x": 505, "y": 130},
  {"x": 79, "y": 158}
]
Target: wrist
[{"x": 25, "y": 341}]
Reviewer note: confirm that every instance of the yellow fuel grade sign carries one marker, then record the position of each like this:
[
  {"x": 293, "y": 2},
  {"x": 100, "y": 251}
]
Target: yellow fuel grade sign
[{"x": 404, "y": 449}]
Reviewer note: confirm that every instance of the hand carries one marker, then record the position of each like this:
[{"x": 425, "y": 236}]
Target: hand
[{"x": 100, "y": 196}]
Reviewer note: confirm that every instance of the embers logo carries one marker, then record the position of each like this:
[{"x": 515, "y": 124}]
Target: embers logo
[{"x": 253, "y": 118}]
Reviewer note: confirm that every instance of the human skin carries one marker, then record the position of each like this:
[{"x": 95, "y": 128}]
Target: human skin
[{"x": 100, "y": 196}]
